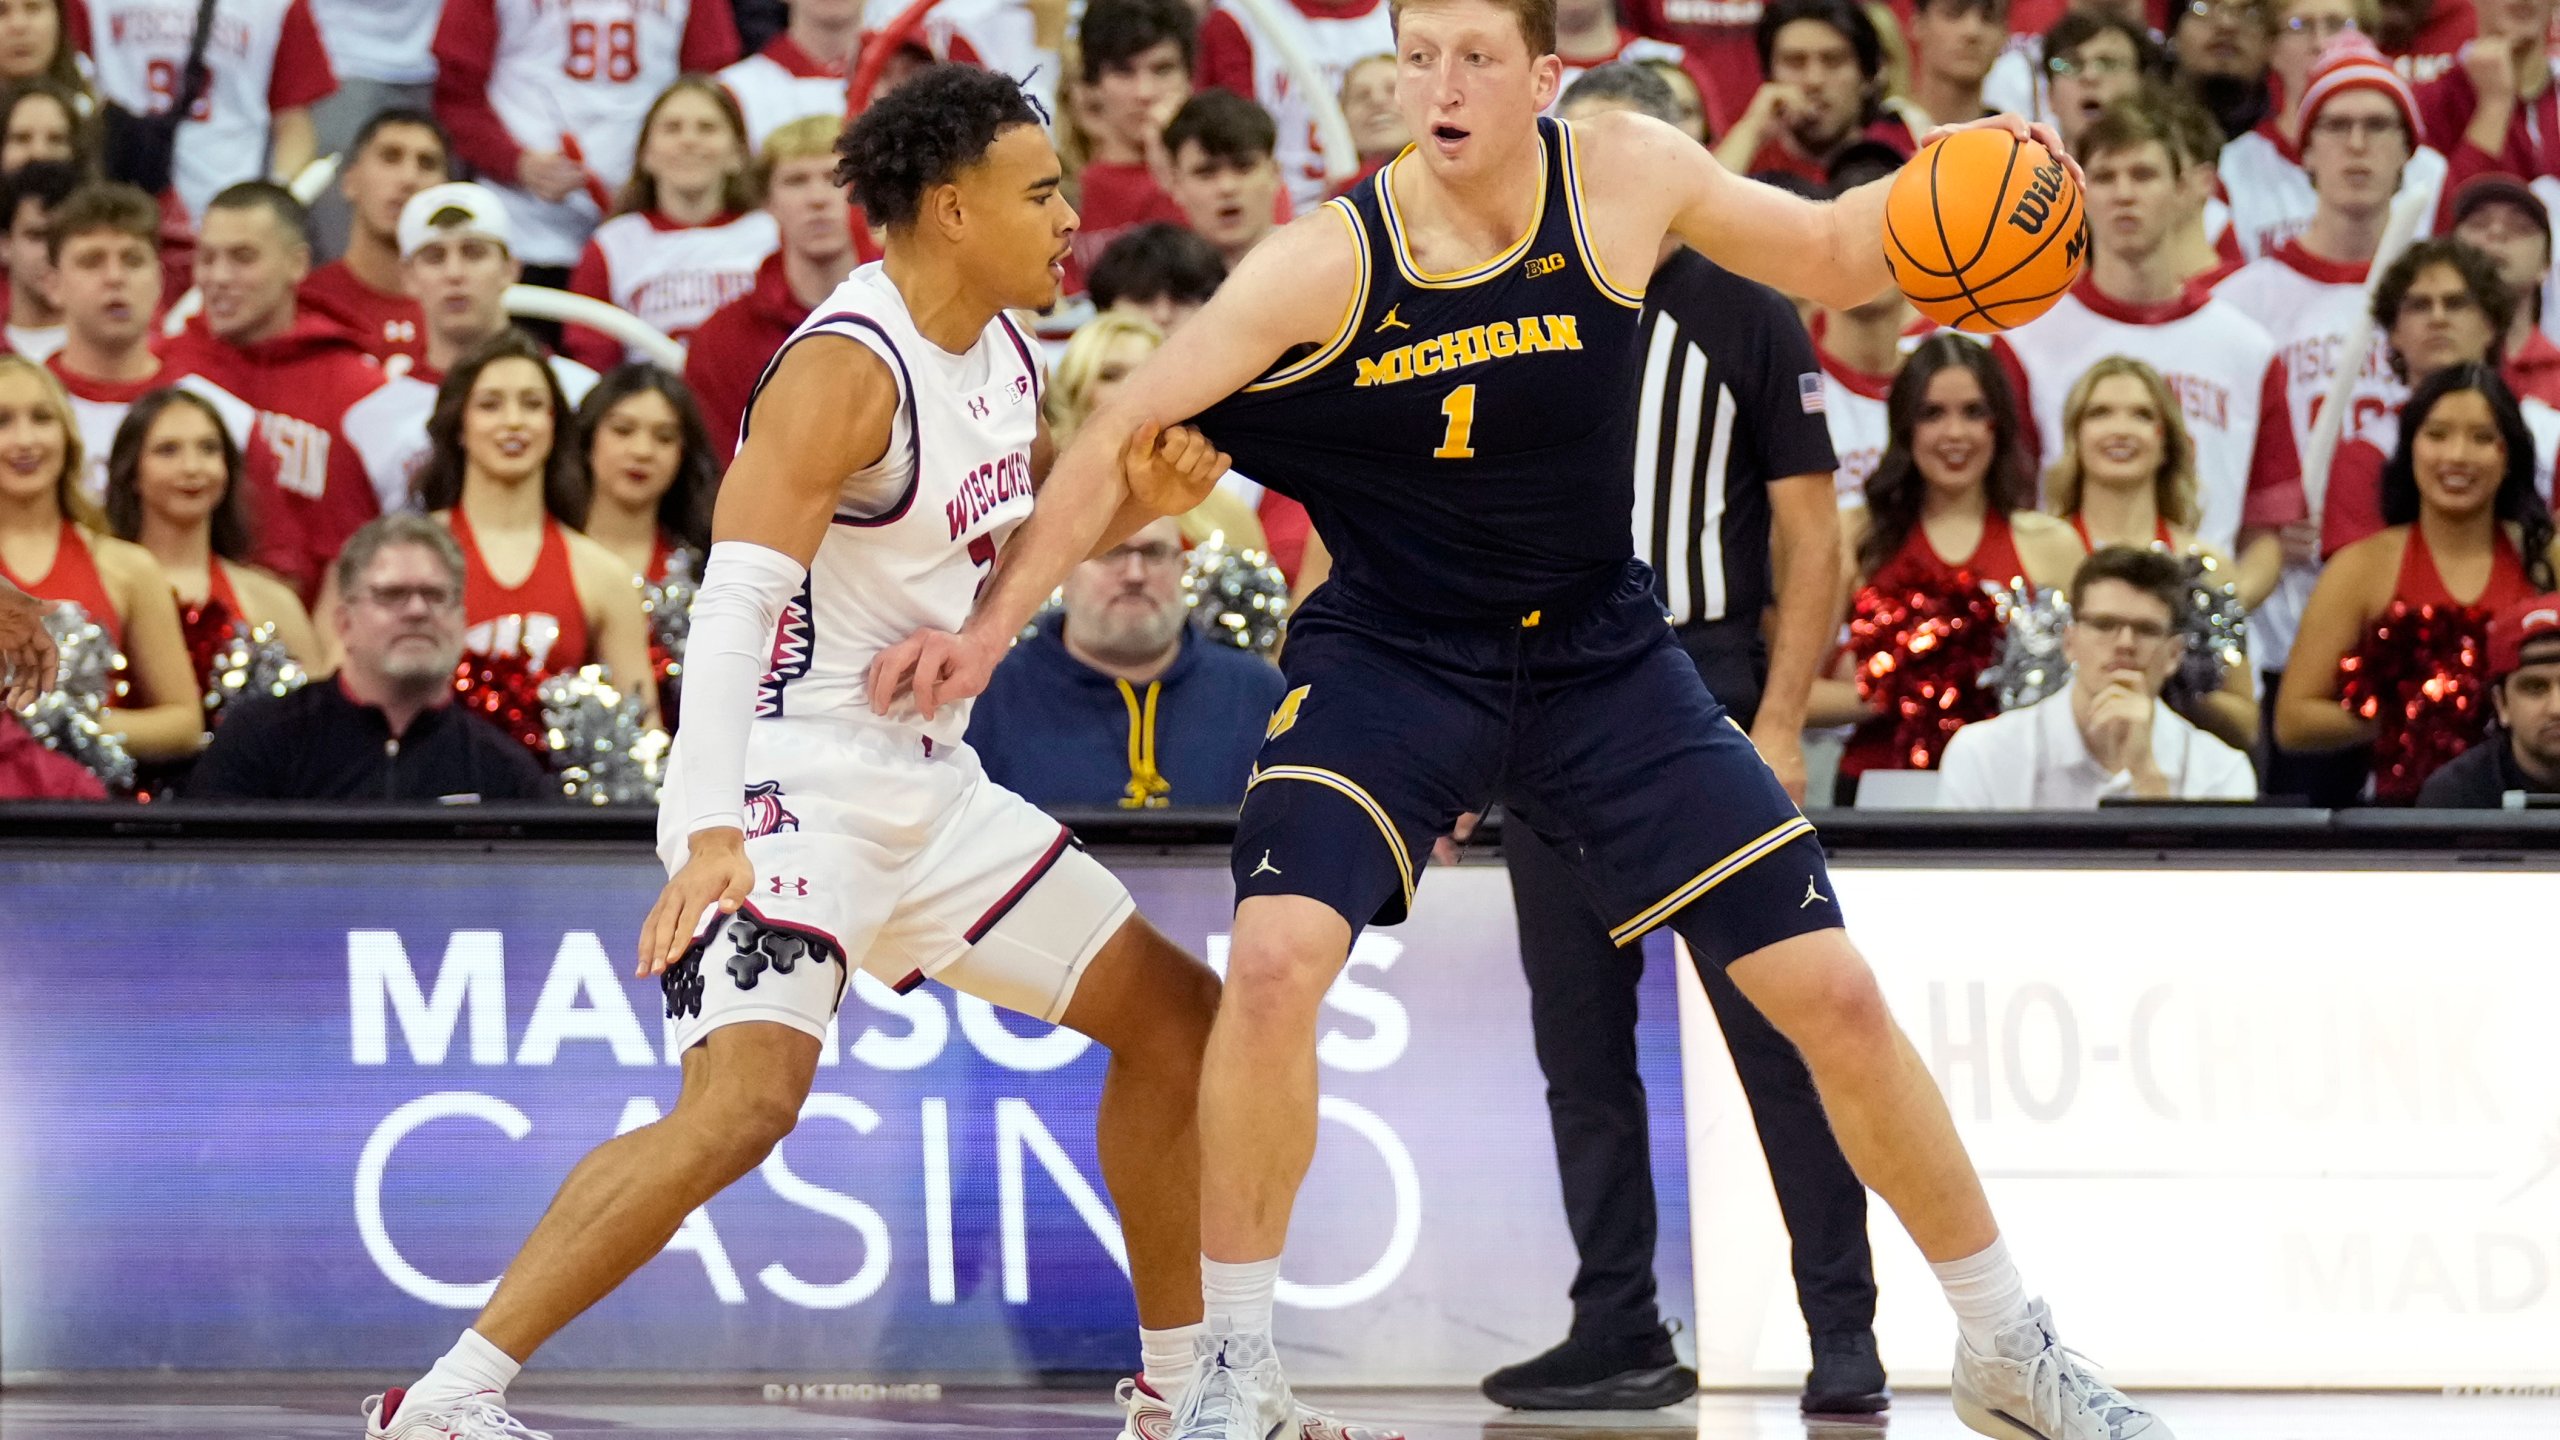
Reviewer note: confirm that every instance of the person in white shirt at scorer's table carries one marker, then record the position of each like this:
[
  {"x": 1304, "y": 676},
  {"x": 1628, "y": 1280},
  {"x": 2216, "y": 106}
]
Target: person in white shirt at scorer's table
[{"x": 2107, "y": 733}]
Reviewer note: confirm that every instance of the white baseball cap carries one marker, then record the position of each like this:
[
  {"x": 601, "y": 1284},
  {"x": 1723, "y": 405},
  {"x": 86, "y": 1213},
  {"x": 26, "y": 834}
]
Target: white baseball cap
[{"x": 482, "y": 212}]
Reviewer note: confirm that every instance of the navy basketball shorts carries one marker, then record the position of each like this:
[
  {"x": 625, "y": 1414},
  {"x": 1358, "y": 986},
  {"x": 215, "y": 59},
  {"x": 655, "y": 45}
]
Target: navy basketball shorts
[{"x": 1591, "y": 728}]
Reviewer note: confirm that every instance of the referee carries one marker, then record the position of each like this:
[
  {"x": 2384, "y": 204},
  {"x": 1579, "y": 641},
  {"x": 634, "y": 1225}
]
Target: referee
[{"x": 1733, "y": 469}]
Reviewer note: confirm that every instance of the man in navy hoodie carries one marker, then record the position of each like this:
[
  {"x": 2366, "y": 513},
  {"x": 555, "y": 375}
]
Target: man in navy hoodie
[{"x": 1116, "y": 700}]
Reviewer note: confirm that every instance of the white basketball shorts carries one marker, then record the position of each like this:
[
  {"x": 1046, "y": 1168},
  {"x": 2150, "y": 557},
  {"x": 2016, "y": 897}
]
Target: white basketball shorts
[{"x": 871, "y": 853}]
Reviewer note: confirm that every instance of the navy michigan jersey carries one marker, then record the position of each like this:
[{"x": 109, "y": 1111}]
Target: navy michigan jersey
[{"x": 1461, "y": 442}]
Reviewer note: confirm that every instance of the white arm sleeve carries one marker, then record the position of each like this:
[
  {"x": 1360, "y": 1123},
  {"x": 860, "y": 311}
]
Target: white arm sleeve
[{"x": 744, "y": 589}]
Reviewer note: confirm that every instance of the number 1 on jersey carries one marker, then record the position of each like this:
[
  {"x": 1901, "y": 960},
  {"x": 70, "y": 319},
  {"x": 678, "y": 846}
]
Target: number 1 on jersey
[{"x": 1460, "y": 408}]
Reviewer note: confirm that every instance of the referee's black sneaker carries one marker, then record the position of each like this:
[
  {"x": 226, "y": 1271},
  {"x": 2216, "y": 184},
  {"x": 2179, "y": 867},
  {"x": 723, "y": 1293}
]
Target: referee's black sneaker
[
  {"x": 1597, "y": 1372},
  {"x": 1847, "y": 1377}
]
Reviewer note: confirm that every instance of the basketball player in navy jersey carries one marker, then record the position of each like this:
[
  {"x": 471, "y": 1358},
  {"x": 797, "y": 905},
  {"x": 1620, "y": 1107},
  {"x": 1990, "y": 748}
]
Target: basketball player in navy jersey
[{"x": 1441, "y": 366}]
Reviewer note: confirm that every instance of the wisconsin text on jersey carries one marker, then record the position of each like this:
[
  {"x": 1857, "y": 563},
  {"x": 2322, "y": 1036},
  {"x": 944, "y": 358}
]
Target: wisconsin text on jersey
[
  {"x": 1472, "y": 346},
  {"x": 1007, "y": 477}
]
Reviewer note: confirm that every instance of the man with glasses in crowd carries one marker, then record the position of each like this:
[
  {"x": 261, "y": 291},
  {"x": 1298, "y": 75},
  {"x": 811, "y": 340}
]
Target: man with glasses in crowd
[
  {"x": 2107, "y": 734},
  {"x": 2265, "y": 174},
  {"x": 1113, "y": 700},
  {"x": 386, "y": 727}
]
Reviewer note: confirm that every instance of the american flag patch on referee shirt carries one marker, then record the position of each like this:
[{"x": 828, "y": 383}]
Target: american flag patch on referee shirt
[{"x": 1809, "y": 393}]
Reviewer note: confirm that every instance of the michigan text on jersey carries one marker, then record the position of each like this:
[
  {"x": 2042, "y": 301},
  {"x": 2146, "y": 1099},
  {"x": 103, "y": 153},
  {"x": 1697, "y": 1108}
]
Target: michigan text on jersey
[{"x": 1472, "y": 346}]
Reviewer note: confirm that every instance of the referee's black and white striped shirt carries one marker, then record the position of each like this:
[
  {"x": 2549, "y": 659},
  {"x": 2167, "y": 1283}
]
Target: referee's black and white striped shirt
[{"x": 1731, "y": 400}]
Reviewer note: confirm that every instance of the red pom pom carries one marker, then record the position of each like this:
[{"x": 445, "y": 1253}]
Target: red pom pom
[
  {"x": 505, "y": 689},
  {"x": 207, "y": 628},
  {"x": 1921, "y": 653},
  {"x": 2421, "y": 675}
]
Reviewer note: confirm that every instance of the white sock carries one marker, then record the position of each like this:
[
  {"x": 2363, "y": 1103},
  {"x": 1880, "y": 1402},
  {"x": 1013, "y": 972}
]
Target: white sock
[
  {"x": 1987, "y": 1295},
  {"x": 472, "y": 1367},
  {"x": 1239, "y": 1296},
  {"x": 1170, "y": 1355}
]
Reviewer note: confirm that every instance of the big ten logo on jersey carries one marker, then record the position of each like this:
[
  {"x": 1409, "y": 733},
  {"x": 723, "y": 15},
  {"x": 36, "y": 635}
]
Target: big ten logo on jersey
[
  {"x": 1545, "y": 265},
  {"x": 1005, "y": 478},
  {"x": 530, "y": 635},
  {"x": 301, "y": 451}
]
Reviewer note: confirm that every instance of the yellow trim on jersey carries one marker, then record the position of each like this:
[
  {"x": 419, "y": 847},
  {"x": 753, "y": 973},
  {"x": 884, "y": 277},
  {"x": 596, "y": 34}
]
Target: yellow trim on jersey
[
  {"x": 1456, "y": 279},
  {"x": 1333, "y": 780},
  {"x": 1632, "y": 299},
  {"x": 1709, "y": 878},
  {"x": 1349, "y": 329}
]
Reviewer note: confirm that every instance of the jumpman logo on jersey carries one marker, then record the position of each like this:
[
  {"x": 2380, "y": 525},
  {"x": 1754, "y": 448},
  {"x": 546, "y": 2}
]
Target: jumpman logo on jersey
[
  {"x": 1390, "y": 322},
  {"x": 1811, "y": 895},
  {"x": 1265, "y": 868}
]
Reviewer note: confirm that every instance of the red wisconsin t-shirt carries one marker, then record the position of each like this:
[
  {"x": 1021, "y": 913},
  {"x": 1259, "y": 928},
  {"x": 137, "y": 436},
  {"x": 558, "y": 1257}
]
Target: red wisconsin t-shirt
[{"x": 387, "y": 326}]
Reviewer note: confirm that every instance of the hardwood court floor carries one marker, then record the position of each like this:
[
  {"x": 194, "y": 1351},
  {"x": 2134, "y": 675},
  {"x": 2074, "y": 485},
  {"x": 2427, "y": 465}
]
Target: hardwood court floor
[{"x": 306, "y": 1412}]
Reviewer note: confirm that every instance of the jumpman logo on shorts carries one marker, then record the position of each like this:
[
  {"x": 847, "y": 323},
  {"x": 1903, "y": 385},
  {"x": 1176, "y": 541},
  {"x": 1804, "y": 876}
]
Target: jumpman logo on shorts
[
  {"x": 1811, "y": 895},
  {"x": 1265, "y": 868}
]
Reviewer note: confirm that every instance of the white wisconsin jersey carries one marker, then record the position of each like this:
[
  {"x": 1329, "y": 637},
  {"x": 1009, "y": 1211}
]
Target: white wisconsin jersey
[
  {"x": 586, "y": 69},
  {"x": 141, "y": 52},
  {"x": 915, "y": 534},
  {"x": 2216, "y": 360},
  {"x": 771, "y": 95},
  {"x": 2310, "y": 307},
  {"x": 1335, "y": 45},
  {"x": 388, "y": 428},
  {"x": 675, "y": 277},
  {"x": 393, "y": 41},
  {"x": 1853, "y": 406},
  {"x": 2270, "y": 195}
]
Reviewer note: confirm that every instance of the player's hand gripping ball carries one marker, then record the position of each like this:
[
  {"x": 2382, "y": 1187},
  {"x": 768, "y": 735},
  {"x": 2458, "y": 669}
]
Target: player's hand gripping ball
[{"x": 1984, "y": 231}]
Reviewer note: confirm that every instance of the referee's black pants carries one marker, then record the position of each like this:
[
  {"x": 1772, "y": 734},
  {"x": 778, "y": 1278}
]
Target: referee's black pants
[{"x": 1582, "y": 1011}]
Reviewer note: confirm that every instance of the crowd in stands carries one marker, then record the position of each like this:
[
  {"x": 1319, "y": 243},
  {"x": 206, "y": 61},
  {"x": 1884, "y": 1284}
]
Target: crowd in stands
[{"x": 2315, "y": 344}]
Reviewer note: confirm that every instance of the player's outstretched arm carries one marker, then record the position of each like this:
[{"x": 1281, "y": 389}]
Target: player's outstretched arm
[
  {"x": 1826, "y": 251},
  {"x": 823, "y": 415},
  {"x": 1291, "y": 290}
]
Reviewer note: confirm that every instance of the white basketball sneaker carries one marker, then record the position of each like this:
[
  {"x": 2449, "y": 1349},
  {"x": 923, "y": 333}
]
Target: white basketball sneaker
[
  {"x": 2036, "y": 1390},
  {"x": 1151, "y": 1418},
  {"x": 1237, "y": 1393},
  {"x": 473, "y": 1419}
]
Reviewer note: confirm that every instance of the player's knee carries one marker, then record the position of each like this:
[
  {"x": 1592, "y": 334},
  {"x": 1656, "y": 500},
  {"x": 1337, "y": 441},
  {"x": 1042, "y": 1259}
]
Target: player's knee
[
  {"x": 1275, "y": 981},
  {"x": 742, "y": 1123}
]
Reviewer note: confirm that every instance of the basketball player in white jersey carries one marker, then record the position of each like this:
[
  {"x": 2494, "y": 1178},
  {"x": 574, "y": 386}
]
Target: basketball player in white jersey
[
  {"x": 892, "y": 446},
  {"x": 1468, "y": 211}
]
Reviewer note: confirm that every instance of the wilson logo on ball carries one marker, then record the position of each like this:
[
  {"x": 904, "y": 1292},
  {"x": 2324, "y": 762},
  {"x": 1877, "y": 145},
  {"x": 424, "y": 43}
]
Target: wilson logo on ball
[{"x": 2036, "y": 205}]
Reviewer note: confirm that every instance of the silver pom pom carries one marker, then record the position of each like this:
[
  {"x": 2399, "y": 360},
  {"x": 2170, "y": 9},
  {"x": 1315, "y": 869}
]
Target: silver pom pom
[
  {"x": 1237, "y": 597},
  {"x": 2032, "y": 666},
  {"x": 67, "y": 717},
  {"x": 601, "y": 745},
  {"x": 669, "y": 606},
  {"x": 2216, "y": 627},
  {"x": 246, "y": 666}
]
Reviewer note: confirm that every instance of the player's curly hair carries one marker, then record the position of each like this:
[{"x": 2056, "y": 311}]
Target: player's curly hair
[{"x": 923, "y": 134}]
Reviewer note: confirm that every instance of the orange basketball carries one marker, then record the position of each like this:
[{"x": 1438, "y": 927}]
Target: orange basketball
[{"x": 1985, "y": 231}]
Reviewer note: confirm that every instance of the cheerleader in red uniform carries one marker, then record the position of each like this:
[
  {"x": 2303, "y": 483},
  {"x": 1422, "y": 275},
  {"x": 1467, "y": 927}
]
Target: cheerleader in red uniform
[
  {"x": 173, "y": 487},
  {"x": 650, "y": 473},
  {"x": 1946, "y": 514},
  {"x": 2127, "y": 476},
  {"x": 2466, "y": 534},
  {"x": 503, "y": 473},
  {"x": 54, "y": 545}
]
